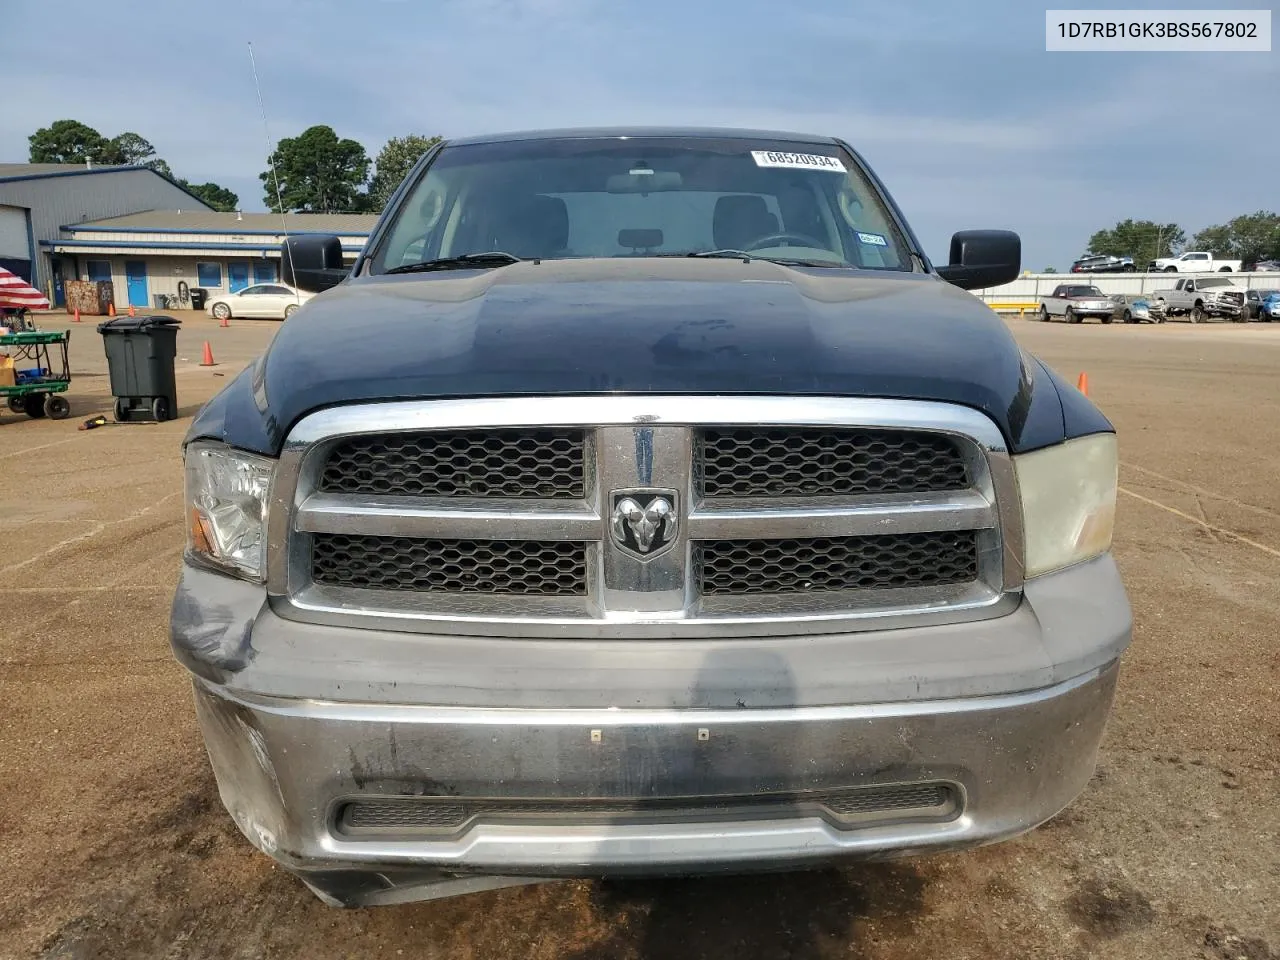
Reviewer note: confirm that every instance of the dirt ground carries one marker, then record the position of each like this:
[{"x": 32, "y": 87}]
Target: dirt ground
[{"x": 113, "y": 843}]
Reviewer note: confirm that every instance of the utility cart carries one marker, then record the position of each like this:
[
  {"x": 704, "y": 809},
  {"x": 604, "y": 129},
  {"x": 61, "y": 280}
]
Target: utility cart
[{"x": 36, "y": 372}]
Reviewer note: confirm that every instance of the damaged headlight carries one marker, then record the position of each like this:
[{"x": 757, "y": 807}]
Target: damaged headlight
[
  {"x": 1068, "y": 496},
  {"x": 228, "y": 493}
]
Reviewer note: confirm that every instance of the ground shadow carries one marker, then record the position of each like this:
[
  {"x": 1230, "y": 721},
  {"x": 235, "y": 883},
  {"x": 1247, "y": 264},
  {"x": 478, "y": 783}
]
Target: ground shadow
[{"x": 777, "y": 915}]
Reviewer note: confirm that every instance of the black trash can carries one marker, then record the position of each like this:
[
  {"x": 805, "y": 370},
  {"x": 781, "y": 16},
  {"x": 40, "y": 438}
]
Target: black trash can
[
  {"x": 199, "y": 297},
  {"x": 140, "y": 355}
]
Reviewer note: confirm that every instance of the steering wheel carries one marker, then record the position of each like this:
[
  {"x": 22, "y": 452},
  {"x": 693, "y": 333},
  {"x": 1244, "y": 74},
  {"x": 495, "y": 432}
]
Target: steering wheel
[{"x": 774, "y": 239}]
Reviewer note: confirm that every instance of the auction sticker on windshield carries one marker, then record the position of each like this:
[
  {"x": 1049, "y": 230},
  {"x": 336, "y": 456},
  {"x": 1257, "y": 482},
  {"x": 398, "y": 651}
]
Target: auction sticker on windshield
[{"x": 797, "y": 161}]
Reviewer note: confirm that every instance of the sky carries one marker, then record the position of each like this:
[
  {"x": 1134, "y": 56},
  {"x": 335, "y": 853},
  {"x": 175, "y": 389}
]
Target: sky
[{"x": 958, "y": 108}]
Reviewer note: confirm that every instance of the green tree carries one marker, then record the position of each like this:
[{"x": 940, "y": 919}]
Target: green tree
[
  {"x": 68, "y": 141},
  {"x": 1216, "y": 240},
  {"x": 393, "y": 164},
  {"x": 1144, "y": 240},
  {"x": 218, "y": 197},
  {"x": 318, "y": 173},
  {"x": 129, "y": 149},
  {"x": 1250, "y": 237},
  {"x": 1049, "y": 270}
]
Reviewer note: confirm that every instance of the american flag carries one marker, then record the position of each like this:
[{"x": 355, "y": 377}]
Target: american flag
[{"x": 16, "y": 293}]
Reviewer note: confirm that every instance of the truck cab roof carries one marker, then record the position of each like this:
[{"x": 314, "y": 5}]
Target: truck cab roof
[{"x": 638, "y": 132}]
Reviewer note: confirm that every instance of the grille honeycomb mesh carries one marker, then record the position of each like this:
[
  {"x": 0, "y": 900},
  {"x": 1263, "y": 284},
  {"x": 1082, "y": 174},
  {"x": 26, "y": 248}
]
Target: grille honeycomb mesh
[
  {"x": 542, "y": 463},
  {"x": 789, "y": 462},
  {"x": 729, "y": 567},
  {"x": 889, "y": 798},
  {"x": 555, "y": 568}
]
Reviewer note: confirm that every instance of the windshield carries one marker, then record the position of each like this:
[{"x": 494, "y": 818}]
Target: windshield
[
  {"x": 1083, "y": 292},
  {"x": 646, "y": 196}
]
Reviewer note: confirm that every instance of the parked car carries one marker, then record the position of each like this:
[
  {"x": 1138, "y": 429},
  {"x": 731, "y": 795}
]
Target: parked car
[
  {"x": 1193, "y": 262},
  {"x": 1263, "y": 266},
  {"x": 1103, "y": 263},
  {"x": 276, "y": 301},
  {"x": 559, "y": 573},
  {"x": 1268, "y": 305},
  {"x": 1252, "y": 305},
  {"x": 1137, "y": 309},
  {"x": 1201, "y": 298},
  {"x": 1074, "y": 302}
]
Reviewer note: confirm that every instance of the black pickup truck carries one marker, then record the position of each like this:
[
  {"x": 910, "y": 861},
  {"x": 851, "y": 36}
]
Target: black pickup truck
[{"x": 644, "y": 502}]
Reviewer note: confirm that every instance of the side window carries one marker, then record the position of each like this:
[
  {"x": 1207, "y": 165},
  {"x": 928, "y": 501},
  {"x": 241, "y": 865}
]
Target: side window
[
  {"x": 1058, "y": 291},
  {"x": 209, "y": 274},
  {"x": 279, "y": 291},
  {"x": 1199, "y": 256},
  {"x": 252, "y": 291},
  {"x": 98, "y": 269},
  {"x": 431, "y": 227}
]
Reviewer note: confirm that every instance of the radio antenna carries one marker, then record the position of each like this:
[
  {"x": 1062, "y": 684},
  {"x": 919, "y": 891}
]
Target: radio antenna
[{"x": 275, "y": 176}]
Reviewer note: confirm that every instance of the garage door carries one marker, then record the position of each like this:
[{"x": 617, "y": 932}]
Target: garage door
[{"x": 15, "y": 243}]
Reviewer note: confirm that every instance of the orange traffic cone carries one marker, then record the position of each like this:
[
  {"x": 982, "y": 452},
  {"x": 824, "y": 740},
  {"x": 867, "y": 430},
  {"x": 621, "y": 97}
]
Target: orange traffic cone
[
  {"x": 77, "y": 314},
  {"x": 208, "y": 356},
  {"x": 224, "y": 322},
  {"x": 131, "y": 313},
  {"x": 1083, "y": 383},
  {"x": 111, "y": 309}
]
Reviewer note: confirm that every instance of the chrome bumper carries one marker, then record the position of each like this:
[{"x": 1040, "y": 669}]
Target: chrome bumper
[
  {"x": 285, "y": 769},
  {"x": 301, "y": 720}
]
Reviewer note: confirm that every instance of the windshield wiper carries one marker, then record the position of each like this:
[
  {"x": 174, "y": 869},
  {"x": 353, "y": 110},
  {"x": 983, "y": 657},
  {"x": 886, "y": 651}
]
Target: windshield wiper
[
  {"x": 724, "y": 254},
  {"x": 466, "y": 261},
  {"x": 746, "y": 257}
]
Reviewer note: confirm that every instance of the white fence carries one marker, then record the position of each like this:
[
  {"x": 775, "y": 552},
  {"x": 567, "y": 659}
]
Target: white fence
[{"x": 1032, "y": 287}]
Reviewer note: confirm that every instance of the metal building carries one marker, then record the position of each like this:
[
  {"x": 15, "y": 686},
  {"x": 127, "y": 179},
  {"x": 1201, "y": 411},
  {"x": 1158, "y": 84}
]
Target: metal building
[
  {"x": 38, "y": 199},
  {"x": 160, "y": 253}
]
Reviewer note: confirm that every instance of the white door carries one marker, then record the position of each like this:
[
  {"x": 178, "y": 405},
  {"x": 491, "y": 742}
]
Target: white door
[
  {"x": 277, "y": 299},
  {"x": 250, "y": 302}
]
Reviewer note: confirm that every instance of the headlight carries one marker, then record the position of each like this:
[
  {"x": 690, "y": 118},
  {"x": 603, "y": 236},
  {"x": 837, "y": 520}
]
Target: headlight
[
  {"x": 1068, "y": 501},
  {"x": 227, "y": 497}
]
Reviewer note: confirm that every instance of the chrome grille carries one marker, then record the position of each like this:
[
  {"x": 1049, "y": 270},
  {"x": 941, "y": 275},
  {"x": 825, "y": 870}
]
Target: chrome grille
[
  {"x": 836, "y": 563},
  {"x": 450, "y": 816},
  {"x": 785, "y": 515},
  {"x": 758, "y": 462},
  {"x": 449, "y": 566},
  {"x": 460, "y": 463}
]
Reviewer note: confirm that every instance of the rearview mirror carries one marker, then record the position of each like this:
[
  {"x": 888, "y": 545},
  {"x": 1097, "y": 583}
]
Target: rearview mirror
[
  {"x": 312, "y": 262},
  {"x": 644, "y": 180},
  {"x": 983, "y": 258}
]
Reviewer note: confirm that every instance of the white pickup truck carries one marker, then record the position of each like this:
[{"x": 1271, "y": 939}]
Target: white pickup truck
[
  {"x": 1076, "y": 301},
  {"x": 1202, "y": 297},
  {"x": 1193, "y": 261}
]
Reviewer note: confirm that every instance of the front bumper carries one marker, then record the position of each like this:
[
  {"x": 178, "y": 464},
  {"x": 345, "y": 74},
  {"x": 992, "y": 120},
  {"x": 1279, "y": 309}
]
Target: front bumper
[
  {"x": 1093, "y": 311},
  {"x": 1008, "y": 713},
  {"x": 1231, "y": 310}
]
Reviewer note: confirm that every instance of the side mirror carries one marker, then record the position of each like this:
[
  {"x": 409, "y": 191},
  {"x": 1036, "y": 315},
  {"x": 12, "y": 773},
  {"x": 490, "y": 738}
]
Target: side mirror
[
  {"x": 983, "y": 258},
  {"x": 312, "y": 262}
]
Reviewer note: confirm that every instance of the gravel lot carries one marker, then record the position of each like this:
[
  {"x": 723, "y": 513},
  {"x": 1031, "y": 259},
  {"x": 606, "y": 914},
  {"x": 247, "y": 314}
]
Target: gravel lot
[{"x": 113, "y": 843}]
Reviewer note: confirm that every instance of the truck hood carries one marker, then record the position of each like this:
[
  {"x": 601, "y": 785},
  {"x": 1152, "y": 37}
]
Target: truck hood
[{"x": 648, "y": 326}]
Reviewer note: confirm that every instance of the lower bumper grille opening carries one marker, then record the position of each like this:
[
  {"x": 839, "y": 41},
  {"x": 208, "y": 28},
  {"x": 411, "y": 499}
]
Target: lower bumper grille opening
[
  {"x": 444, "y": 817},
  {"x": 837, "y": 563}
]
